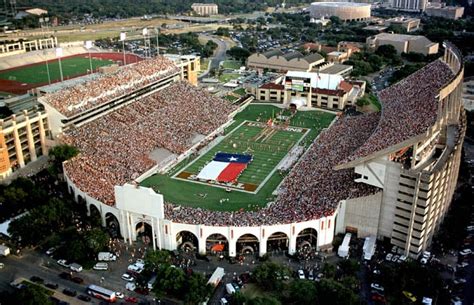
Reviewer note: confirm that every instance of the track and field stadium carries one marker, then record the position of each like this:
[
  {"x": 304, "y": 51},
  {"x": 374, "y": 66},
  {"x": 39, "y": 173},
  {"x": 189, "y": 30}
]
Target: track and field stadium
[
  {"x": 146, "y": 166},
  {"x": 20, "y": 79}
]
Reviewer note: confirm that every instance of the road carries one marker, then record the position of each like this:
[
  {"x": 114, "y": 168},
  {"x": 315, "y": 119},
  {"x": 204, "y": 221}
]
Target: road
[{"x": 219, "y": 53}]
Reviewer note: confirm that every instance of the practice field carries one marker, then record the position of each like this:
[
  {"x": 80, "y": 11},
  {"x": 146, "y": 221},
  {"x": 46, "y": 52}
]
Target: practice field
[
  {"x": 263, "y": 179},
  {"x": 38, "y": 73},
  {"x": 268, "y": 146}
]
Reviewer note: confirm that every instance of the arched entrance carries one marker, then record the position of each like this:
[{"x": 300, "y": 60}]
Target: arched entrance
[
  {"x": 277, "y": 242},
  {"x": 187, "y": 241},
  {"x": 307, "y": 240},
  {"x": 247, "y": 244},
  {"x": 113, "y": 226},
  {"x": 217, "y": 244},
  {"x": 94, "y": 214},
  {"x": 144, "y": 232}
]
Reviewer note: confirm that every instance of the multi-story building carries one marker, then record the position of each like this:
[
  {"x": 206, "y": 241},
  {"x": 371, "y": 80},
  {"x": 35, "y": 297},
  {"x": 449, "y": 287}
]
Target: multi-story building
[
  {"x": 409, "y": 24},
  {"x": 448, "y": 12},
  {"x": 23, "y": 138},
  {"x": 190, "y": 66},
  {"x": 403, "y": 43},
  {"x": 205, "y": 9},
  {"x": 410, "y": 5},
  {"x": 278, "y": 61},
  {"x": 308, "y": 89}
]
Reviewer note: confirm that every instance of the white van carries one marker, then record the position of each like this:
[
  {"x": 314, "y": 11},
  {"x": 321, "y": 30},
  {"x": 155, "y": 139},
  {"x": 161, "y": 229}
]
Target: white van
[
  {"x": 223, "y": 301},
  {"x": 75, "y": 267},
  {"x": 101, "y": 266},
  {"x": 229, "y": 288}
]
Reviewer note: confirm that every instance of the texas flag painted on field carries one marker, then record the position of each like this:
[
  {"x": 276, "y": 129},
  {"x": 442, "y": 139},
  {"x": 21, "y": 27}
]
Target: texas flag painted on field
[{"x": 225, "y": 167}]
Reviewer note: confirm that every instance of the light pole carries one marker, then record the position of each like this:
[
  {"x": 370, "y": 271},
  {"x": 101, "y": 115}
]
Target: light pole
[
  {"x": 59, "y": 54},
  {"x": 123, "y": 36},
  {"x": 157, "y": 44},
  {"x": 47, "y": 66},
  {"x": 88, "y": 47}
]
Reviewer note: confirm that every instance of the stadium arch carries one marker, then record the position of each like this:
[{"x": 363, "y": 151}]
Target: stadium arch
[
  {"x": 247, "y": 244},
  {"x": 278, "y": 242},
  {"x": 113, "y": 225},
  {"x": 307, "y": 239},
  {"x": 217, "y": 243},
  {"x": 144, "y": 231},
  {"x": 187, "y": 241}
]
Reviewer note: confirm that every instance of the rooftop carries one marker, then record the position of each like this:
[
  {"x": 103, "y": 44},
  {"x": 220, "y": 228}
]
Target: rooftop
[{"x": 340, "y": 4}]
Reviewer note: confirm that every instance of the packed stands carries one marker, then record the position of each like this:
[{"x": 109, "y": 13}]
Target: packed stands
[
  {"x": 114, "y": 149},
  {"x": 312, "y": 189},
  {"x": 126, "y": 79},
  {"x": 409, "y": 108}
]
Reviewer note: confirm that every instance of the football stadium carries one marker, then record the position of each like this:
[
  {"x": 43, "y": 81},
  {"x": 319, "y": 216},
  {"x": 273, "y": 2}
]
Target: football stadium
[{"x": 175, "y": 166}]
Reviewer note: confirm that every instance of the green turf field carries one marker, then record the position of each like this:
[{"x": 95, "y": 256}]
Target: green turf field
[
  {"x": 268, "y": 147},
  {"x": 209, "y": 197},
  {"x": 39, "y": 74}
]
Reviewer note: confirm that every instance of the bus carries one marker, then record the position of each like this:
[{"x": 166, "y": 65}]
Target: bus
[{"x": 101, "y": 293}]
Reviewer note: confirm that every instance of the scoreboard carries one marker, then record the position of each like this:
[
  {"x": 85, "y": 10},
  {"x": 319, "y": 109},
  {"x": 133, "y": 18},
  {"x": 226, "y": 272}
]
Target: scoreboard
[{"x": 297, "y": 84}]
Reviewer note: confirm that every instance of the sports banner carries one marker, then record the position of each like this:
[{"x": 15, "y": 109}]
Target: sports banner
[{"x": 225, "y": 167}]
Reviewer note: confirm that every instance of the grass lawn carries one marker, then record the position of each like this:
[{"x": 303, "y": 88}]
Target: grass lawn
[
  {"x": 240, "y": 91},
  {"x": 226, "y": 77},
  {"x": 231, "y": 64},
  {"x": 204, "y": 64},
  {"x": 231, "y": 98},
  {"x": 38, "y": 73},
  {"x": 208, "y": 197}
]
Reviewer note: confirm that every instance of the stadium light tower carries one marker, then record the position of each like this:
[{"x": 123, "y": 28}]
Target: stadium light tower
[
  {"x": 157, "y": 30},
  {"x": 88, "y": 47},
  {"x": 123, "y": 36},
  {"x": 59, "y": 54},
  {"x": 45, "y": 53},
  {"x": 146, "y": 40}
]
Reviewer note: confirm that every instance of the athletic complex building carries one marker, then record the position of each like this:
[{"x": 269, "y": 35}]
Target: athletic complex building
[{"x": 390, "y": 174}]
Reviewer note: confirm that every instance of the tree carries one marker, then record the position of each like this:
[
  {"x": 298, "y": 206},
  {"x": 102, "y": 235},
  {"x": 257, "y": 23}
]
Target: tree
[
  {"x": 388, "y": 51},
  {"x": 237, "y": 299},
  {"x": 269, "y": 276},
  {"x": 155, "y": 259},
  {"x": 170, "y": 280},
  {"x": 60, "y": 153},
  {"x": 238, "y": 53},
  {"x": 263, "y": 301},
  {"x": 96, "y": 240},
  {"x": 32, "y": 295},
  {"x": 302, "y": 293},
  {"x": 197, "y": 289}
]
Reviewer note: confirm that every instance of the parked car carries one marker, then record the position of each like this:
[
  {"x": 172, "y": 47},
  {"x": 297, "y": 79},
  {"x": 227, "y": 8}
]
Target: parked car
[
  {"x": 119, "y": 295},
  {"x": 143, "y": 291},
  {"x": 75, "y": 267},
  {"x": 50, "y": 251},
  {"x": 69, "y": 292},
  {"x": 301, "y": 275},
  {"x": 131, "y": 300},
  {"x": 127, "y": 277},
  {"x": 409, "y": 296},
  {"x": 389, "y": 257},
  {"x": 53, "y": 286},
  {"x": 65, "y": 275},
  {"x": 63, "y": 262},
  {"x": 376, "y": 287},
  {"x": 84, "y": 298},
  {"x": 36, "y": 279},
  {"x": 465, "y": 252},
  {"x": 77, "y": 280}
]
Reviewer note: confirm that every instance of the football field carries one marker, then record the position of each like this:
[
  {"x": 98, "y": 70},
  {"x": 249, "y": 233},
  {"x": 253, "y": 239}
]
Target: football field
[
  {"x": 38, "y": 73},
  {"x": 267, "y": 145},
  {"x": 250, "y": 135}
]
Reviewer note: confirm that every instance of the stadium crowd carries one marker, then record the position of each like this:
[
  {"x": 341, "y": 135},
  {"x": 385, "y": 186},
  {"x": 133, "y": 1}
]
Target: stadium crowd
[
  {"x": 313, "y": 188},
  {"x": 115, "y": 148},
  {"x": 125, "y": 79},
  {"x": 409, "y": 108}
]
